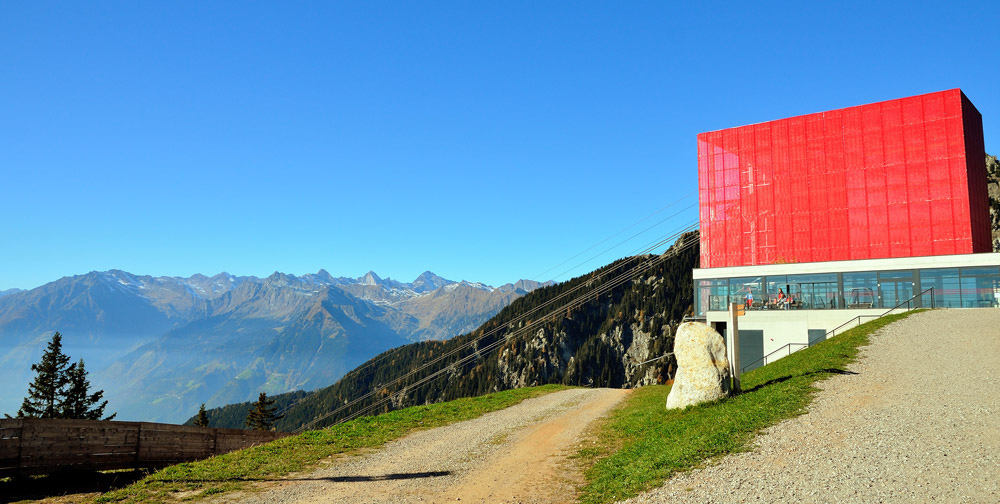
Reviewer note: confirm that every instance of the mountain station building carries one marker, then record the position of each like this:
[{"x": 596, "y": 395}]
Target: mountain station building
[{"x": 815, "y": 220}]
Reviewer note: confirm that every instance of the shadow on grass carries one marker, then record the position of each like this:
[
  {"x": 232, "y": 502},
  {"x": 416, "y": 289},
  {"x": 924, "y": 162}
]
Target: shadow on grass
[
  {"x": 778, "y": 380},
  {"x": 65, "y": 483}
]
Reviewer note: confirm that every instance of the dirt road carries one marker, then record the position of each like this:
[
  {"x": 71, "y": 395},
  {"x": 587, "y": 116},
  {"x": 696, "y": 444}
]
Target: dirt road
[{"x": 517, "y": 455}]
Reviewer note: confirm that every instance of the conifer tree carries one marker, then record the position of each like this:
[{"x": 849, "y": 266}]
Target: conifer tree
[
  {"x": 262, "y": 415},
  {"x": 79, "y": 402},
  {"x": 46, "y": 392},
  {"x": 202, "y": 420}
]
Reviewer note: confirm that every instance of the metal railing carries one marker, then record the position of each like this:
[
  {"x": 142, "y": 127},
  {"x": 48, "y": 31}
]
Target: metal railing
[
  {"x": 833, "y": 332},
  {"x": 787, "y": 347}
]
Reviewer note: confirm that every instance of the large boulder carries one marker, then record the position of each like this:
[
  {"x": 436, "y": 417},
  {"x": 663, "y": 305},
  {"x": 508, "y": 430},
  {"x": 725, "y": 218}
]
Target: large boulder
[{"x": 702, "y": 366}]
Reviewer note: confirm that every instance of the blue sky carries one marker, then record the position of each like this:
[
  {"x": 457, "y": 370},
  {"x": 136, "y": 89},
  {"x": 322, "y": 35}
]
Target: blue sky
[{"x": 487, "y": 141}]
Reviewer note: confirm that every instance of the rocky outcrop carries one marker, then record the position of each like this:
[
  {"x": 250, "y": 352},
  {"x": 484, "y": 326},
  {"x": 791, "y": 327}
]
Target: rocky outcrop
[
  {"x": 993, "y": 192},
  {"x": 702, "y": 367},
  {"x": 548, "y": 357},
  {"x": 544, "y": 359}
]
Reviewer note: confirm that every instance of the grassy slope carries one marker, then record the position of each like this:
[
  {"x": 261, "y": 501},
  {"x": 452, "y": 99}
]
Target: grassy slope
[
  {"x": 641, "y": 444},
  {"x": 638, "y": 447},
  {"x": 237, "y": 470}
]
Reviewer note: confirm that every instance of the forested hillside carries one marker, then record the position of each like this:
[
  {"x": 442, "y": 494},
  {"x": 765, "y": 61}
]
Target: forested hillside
[
  {"x": 621, "y": 319},
  {"x": 236, "y": 414}
]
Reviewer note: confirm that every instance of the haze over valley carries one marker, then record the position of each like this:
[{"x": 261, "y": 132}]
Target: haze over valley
[{"x": 161, "y": 346}]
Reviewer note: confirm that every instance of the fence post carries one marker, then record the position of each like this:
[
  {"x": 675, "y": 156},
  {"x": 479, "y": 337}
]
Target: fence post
[
  {"x": 138, "y": 438},
  {"x": 20, "y": 449},
  {"x": 734, "y": 346}
]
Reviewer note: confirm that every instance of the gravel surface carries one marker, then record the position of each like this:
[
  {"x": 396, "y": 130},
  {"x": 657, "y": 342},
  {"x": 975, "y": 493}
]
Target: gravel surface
[
  {"x": 919, "y": 422},
  {"x": 514, "y": 455}
]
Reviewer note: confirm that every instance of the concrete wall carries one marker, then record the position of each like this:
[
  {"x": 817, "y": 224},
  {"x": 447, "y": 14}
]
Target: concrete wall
[{"x": 782, "y": 327}]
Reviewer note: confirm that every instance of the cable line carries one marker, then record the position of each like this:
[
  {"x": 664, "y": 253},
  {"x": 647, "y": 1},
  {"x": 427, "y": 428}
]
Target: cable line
[
  {"x": 538, "y": 278},
  {"x": 493, "y": 331},
  {"x": 627, "y": 239},
  {"x": 622, "y": 278},
  {"x": 521, "y": 318},
  {"x": 628, "y": 274},
  {"x": 647, "y": 249}
]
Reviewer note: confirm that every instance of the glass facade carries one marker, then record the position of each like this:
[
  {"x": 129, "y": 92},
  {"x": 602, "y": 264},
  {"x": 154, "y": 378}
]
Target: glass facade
[
  {"x": 953, "y": 288},
  {"x": 746, "y": 290},
  {"x": 777, "y": 290},
  {"x": 860, "y": 290},
  {"x": 712, "y": 294},
  {"x": 980, "y": 287},
  {"x": 946, "y": 284},
  {"x": 814, "y": 292},
  {"x": 895, "y": 287}
]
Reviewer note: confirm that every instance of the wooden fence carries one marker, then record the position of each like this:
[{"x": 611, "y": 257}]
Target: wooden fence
[{"x": 41, "y": 446}]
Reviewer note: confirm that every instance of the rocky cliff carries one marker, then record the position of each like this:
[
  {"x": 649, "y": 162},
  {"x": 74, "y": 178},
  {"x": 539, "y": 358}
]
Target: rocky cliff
[{"x": 993, "y": 184}]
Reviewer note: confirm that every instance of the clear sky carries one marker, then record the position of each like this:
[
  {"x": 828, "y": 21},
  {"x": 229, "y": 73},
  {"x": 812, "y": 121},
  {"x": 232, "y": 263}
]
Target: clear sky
[{"x": 486, "y": 141}]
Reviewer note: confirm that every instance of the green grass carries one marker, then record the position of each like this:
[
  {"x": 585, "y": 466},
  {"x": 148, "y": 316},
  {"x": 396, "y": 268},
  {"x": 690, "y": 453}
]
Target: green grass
[
  {"x": 641, "y": 444},
  {"x": 238, "y": 470}
]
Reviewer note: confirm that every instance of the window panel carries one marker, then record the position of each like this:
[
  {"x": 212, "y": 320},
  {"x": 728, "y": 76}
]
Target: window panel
[
  {"x": 813, "y": 292},
  {"x": 861, "y": 289},
  {"x": 947, "y": 289}
]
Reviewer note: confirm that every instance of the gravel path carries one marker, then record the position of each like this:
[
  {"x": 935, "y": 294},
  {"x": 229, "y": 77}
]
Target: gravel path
[
  {"x": 516, "y": 455},
  {"x": 920, "y": 422}
]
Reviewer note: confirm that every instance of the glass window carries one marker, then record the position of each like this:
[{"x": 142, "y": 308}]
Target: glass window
[
  {"x": 713, "y": 294},
  {"x": 776, "y": 290},
  {"x": 861, "y": 289},
  {"x": 979, "y": 291},
  {"x": 953, "y": 288},
  {"x": 982, "y": 271},
  {"x": 895, "y": 287},
  {"x": 813, "y": 292},
  {"x": 947, "y": 290},
  {"x": 746, "y": 291}
]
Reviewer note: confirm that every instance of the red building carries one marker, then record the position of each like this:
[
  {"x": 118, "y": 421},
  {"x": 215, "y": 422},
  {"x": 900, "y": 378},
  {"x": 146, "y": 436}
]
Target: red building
[{"x": 893, "y": 179}]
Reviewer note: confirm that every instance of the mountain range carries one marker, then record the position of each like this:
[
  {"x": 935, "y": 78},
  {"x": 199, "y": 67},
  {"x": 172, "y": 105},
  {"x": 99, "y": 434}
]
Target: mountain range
[
  {"x": 613, "y": 327},
  {"x": 161, "y": 346}
]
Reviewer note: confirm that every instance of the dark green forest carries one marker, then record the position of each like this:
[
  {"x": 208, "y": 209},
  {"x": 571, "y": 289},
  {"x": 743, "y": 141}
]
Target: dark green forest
[
  {"x": 600, "y": 341},
  {"x": 235, "y": 415}
]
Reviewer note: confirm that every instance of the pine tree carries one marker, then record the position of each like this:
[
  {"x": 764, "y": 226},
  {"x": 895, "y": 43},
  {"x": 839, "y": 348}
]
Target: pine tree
[
  {"x": 79, "y": 402},
  {"x": 262, "y": 416},
  {"x": 202, "y": 420},
  {"x": 46, "y": 392}
]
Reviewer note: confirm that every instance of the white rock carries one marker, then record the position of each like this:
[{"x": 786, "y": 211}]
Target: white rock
[{"x": 702, "y": 366}]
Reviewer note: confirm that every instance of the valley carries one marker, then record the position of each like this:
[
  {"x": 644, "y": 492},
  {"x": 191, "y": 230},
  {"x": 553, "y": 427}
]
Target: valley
[{"x": 161, "y": 346}]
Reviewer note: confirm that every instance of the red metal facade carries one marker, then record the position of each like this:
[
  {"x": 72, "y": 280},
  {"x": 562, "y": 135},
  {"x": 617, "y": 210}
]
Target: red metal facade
[{"x": 899, "y": 178}]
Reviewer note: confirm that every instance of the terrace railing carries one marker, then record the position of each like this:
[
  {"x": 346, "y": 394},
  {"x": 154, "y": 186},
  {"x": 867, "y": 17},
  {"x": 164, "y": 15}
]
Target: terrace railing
[{"x": 791, "y": 348}]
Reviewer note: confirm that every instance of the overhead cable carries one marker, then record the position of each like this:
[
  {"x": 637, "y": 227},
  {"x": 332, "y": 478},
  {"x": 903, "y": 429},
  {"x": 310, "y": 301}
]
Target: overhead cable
[{"x": 628, "y": 274}]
